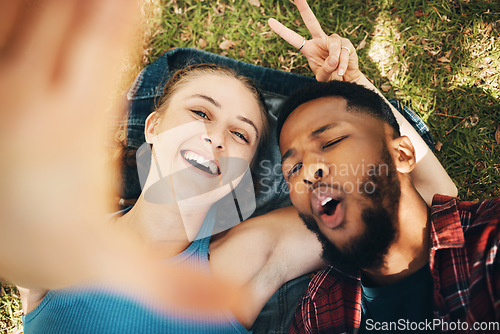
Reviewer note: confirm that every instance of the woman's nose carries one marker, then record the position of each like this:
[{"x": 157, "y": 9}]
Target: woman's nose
[{"x": 215, "y": 141}]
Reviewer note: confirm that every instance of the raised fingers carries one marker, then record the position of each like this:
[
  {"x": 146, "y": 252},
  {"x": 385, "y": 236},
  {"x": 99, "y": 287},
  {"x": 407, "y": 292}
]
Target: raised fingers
[
  {"x": 309, "y": 19},
  {"x": 341, "y": 59},
  {"x": 341, "y": 55},
  {"x": 346, "y": 49},
  {"x": 287, "y": 34},
  {"x": 330, "y": 66},
  {"x": 334, "y": 44}
]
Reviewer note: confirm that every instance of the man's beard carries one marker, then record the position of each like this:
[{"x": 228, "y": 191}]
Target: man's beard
[{"x": 379, "y": 216}]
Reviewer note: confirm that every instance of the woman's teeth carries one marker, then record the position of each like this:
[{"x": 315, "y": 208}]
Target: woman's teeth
[{"x": 196, "y": 159}]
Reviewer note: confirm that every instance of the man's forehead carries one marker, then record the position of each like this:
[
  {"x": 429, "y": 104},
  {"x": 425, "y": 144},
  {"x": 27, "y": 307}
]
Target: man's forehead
[
  {"x": 315, "y": 114},
  {"x": 322, "y": 104},
  {"x": 320, "y": 115}
]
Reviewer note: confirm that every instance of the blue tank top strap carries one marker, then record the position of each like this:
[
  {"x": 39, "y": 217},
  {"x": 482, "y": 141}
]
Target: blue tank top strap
[
  {"x": 197, "y": 253},
  {"x": 206, "y": 230}
]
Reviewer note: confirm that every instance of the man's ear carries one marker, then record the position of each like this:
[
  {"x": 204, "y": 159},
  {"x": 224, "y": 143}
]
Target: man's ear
[
  {"x": 150, "y": 127},
  {"x": 404, "y": 154}
]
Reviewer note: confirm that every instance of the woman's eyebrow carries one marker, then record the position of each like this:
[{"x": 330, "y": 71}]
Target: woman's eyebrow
[
  {"x": 217, "y": 104},
  {"x": 207, "y": 98},
  {"x": 246, "y": 120}
]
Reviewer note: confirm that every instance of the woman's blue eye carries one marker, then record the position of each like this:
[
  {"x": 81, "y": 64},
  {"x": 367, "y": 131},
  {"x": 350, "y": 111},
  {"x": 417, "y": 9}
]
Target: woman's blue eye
[
  {"x": 200, "y": 113},
  {"x": 238, "y": 134},
  {"x": 295, "y": 169}
]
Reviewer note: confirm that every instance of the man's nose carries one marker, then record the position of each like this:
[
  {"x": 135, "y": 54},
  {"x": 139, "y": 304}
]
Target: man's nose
[{"x": 314, "y": 172}]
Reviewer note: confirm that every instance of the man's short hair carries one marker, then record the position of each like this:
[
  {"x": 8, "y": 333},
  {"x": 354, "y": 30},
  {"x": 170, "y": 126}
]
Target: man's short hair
[{"x": 359, "y": 99}]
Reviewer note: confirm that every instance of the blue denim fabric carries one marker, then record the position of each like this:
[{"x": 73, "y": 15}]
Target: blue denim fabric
[
  {"x": 273, "y": 193},
  {"x": 415, "y": 121},
  {"x": 278, "y": 313}
]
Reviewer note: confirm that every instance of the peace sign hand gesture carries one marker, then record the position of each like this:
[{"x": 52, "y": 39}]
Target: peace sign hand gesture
[{"x": 329, "y": 57}]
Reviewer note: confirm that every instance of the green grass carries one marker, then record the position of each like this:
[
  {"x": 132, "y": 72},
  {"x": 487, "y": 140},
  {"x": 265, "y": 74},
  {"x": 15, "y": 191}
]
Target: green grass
[
  {"x": 403, "y": 46},
  {"x": 10, "y": 310}
]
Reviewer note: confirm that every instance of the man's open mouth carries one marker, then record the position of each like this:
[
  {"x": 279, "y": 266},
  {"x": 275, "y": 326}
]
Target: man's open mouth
[
  {"x": 327, "y": 205},
  {"x": 200, "y": 162}
]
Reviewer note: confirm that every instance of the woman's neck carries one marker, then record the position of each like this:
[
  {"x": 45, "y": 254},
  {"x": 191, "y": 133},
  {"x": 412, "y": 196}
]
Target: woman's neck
[{"x": 166, "y": 229}]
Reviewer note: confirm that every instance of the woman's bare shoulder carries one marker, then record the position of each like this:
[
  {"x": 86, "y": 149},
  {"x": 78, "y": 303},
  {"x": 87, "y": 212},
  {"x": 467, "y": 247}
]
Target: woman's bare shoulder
[{"x": 31, "y": 298}]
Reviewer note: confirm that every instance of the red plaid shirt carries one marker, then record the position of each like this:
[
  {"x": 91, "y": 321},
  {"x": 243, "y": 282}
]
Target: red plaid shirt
[{"x": 465, "y": 267}]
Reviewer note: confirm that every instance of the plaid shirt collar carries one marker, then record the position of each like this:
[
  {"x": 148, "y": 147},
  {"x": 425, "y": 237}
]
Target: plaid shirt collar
[{"x": 446, "y": 228}]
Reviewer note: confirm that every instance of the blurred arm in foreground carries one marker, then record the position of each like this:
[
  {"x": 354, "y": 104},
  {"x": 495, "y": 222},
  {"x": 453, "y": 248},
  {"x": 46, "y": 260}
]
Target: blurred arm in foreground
[{"x": 59, "y": 61}]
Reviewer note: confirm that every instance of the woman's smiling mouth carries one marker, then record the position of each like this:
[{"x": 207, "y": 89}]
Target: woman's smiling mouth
[{"x": 200, "y": 162}]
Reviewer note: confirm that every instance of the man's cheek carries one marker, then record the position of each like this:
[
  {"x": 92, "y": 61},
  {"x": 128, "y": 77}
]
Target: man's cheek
[
  {"x": 299, "y": 200},
  {"x": 298, "y": 189}
]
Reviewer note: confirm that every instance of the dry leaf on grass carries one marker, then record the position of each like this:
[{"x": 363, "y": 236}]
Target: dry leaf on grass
[
  {"x": 362, "y": 44},
  {"x": 497, "y": 136},
  {"x": 185, "y": 35},
  {"x": 255, "y": 3},
  {"x": 220, "y": 8},
  {"x": 177, "y": 10},
  {"x": 202, "y": 43},
  {"x": 391, "y": 75},
  {"x": 227, "y": 44},
  {"x": 443, "y": 59},
  {"x": 386, "y": 87},
  {"x": 438, "y": 146},
  {"x": 474, "y": 120},
  {"x": 471, "y": 121}
]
